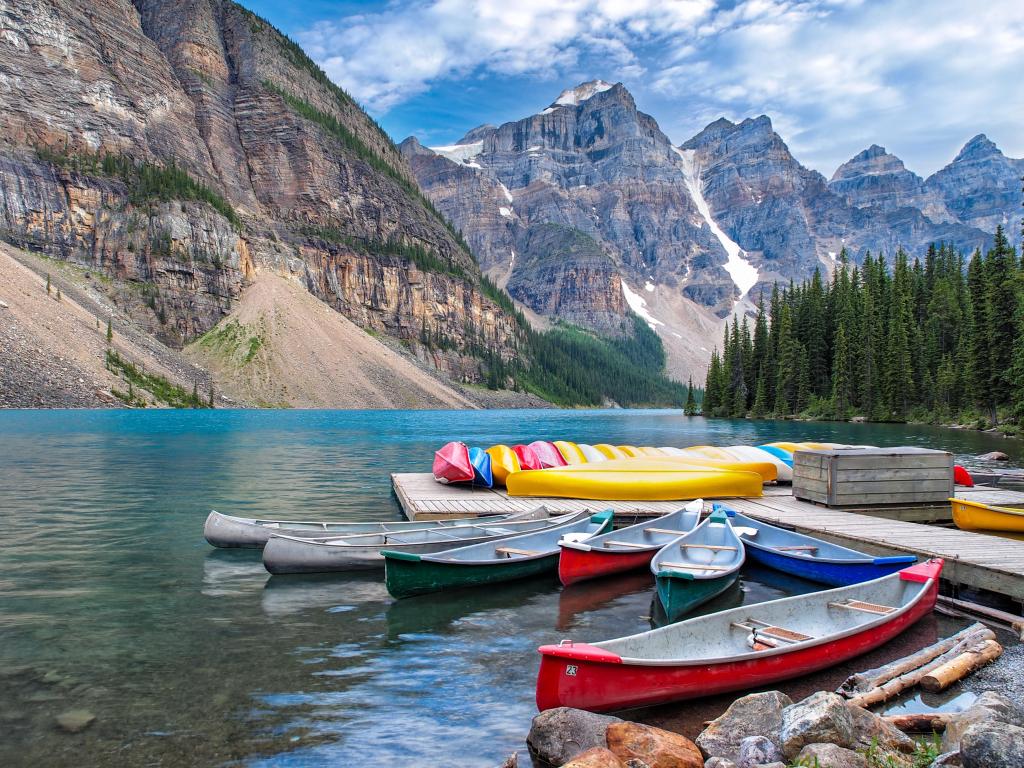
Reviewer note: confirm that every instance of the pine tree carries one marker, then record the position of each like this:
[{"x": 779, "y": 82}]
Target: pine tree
[
  {"x": 691, "y": 400},
  {"x": 840, "y": 376},
  {"x": 760, "y": 407},
  {"x": 110, "y": 330}
]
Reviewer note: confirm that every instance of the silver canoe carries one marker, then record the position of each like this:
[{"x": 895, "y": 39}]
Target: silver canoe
[
  {"x": 251, "y": 533},
  {"x": 291, "y": 554}
]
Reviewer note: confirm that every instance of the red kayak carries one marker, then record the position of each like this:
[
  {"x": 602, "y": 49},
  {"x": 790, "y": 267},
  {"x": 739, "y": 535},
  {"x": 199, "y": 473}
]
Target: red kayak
[
  {"x": 452, "y": 464},
  {"x": 962, "y": 477},
  {"x": 747, "y": 647},
  {"x": 527, "y": 458},
  {"x": 547, "y": 454},
  {"x": 625, "y": 549}
]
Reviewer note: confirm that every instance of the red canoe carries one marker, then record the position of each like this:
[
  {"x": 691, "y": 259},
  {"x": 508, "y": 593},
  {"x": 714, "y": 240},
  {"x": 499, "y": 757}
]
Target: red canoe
[
  {"x": 746, "y": 647},
  {"x": 452, "y": 464},
  {"x": 962, "y": 477},
  {"x": 527, "y": 458},
  {"x": 547, "y": 454},
  {"x": 625, "y": 549}
]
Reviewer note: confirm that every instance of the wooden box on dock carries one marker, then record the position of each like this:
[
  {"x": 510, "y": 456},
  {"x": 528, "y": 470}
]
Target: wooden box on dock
[{"x": 863, "y": 477}]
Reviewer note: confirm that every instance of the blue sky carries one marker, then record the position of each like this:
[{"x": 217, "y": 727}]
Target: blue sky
[{"x": 920, "y": 77}]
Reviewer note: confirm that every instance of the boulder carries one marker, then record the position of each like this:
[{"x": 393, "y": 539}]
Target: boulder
[
  {"x": 821, "y": 718},
  {"x": 558, "y": 735},
  {"x": 948, "y": 760},
  {"x": 830, "y": 756},
  {"x": 598, "y": 757},
  {"x": 988, "y": 707},
  {"x": 719, "y": 762},
  {"x": 991, "y": 744},
  {"x": 871, "y": 730},
  {"x": 641, "y": 745},
  {"x": 759, "y": 714},
  {"x": 75, "y": 720},
  {"x": 758, "y": 750},
  {"x": 512, "y": 761},
  {"x": 994, "y": 456}
]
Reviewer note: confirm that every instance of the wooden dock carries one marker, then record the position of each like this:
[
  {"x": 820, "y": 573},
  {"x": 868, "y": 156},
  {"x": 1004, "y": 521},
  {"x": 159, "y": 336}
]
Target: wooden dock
[{"x": 981, "y": 561}]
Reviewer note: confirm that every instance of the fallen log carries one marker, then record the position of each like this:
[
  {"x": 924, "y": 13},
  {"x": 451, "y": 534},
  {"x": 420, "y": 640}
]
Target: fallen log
[
  {"x": 920, "y": 722},
  {"x": 897, "y": 685},
  {"x": 975, "y": 611},
  {"x": 862, "y": 682},
  {"x": 955, "y": 669}
]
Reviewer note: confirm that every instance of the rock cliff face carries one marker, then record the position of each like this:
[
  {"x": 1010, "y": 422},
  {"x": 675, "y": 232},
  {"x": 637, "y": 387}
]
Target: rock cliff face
[
  {"x": 876, "y": 178},
  {"x": 307, "y": 183}
]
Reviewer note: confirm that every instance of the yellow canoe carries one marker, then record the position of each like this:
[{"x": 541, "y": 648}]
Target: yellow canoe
[
  {"x": 709, "y": 451},
  {"x": 975, "y": 516},
  {"x": 570, "y": 452},
  {"x": 591, "y": 453},
  {"x": 503, "y": 463},
  {"x": 610, "y": 451},
  {"x": 791, "y": 447},
  {"x": 620, "y": 480},
  {"x": 652, "y": 452},
  {"x": 631, "y": 451}
]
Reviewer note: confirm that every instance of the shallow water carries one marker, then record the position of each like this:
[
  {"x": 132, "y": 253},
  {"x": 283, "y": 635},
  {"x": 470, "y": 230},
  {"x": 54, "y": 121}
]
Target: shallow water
[{"x": 111, "y": 601}]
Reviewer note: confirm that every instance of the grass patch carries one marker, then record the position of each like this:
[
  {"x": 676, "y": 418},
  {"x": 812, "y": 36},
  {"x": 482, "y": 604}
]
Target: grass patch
[
  {"x": 158, "y": 386},
  {"x": 233, "y": 342}
]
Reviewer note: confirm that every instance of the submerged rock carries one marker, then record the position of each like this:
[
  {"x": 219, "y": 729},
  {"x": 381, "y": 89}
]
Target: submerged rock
[
  {"x": 75, "y": 720},
  {"x": 512, "y": 761},
  {"x": 558, "y": 735},
  {"x": 821, "y": 718},
  {"x": 830, "y": 756},
  {"x": 994, "y": 456},
  {"x": 641, "y": 745},
  {"x": 598, "y": 757},
  {"x": 759, "y": 714}
]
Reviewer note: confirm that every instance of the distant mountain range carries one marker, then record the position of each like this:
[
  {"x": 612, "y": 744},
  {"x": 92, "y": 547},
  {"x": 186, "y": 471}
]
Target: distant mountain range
[{"x": 586, "y": 210}]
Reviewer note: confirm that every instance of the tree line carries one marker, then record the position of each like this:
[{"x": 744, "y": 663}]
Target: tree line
[{"x": 936, "y": 339}]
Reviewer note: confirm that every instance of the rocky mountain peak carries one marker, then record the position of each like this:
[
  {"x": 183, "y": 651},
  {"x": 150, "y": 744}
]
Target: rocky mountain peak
[
  {"x": 873, "y": 161},
  {"x": 573, "y": 97},
  {"x": 978, "y": 148}
]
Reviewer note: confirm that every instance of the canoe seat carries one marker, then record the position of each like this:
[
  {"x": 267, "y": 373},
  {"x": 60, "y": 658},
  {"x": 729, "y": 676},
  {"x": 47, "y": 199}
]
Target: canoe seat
[
  {"x": 695, "y": 566},
  {"x": 709, "y": 546},
  {"x": 613, "y": 543},
  {"x": 860, "y": 605},
  {"x": 669, "y": 531},
  {"x": 769, "y": 634},
  {"x": 509, "y": 551},
  {"x": 802, "y": 548}
]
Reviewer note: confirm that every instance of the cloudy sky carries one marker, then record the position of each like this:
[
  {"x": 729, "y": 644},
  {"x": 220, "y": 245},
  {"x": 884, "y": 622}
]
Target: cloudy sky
[{"x": 920, "y": 77}]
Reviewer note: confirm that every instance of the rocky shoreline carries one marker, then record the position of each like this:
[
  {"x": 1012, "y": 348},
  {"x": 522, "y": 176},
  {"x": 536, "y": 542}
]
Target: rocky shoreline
[{"x": 769, "y": 730}]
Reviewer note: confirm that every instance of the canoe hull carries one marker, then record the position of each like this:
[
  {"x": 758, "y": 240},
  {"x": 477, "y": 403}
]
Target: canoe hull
[
  {"x": 833, "y": 574},
  {"x": 658, "y": 483},
  {"x": 601, "y": 682},
  {"x": 406, "y": 578},
  {"x": 575, "y": 565},
  {"x": 972, "y": 516},
  {"x": 679, "y": 596},
  {"x": 452, "y": 465}
]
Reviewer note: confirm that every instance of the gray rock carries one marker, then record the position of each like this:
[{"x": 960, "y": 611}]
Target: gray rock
[
  {"x": 759, "y": 714},
  {"x": 75, "y": 720},
  {"x": 512, "y": 761},
  {"x": 558, "y": 735},
  {"x": 822, "y": 717},
  {"x": 948, "y": 760},
  {"x": 758, "y": 750},
  {"x": 992, "y": 744},
  {"x": 830, "y": 756},
  {"x": 719, "y": 762},
  {"x": 871, "y": 730},
  {"x": 994, "y": 456},
  {"x": 989, "y": 707}
]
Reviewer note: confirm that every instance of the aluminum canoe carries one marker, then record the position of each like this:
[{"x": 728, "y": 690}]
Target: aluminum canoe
[{"x": 748, "y": 647}]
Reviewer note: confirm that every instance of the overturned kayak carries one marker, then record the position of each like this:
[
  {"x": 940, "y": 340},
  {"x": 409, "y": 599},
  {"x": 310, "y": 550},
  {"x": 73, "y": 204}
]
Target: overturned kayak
[
  {"x": 698, "y": 566},
  {"x": 503, "y": 463},
  {"x": 810, "y": 558},
  {"x": 288, "y": 554},
  {"x": 452, "y": 464},
  {"x": 636, "y": 479},
  {"x": 625, "y": 549},
  {"x": 747, "y": 647},
  {"x": 515, "y": 557},
  {"x": 975, "y": 516},
  {"x": 228, "y": 531}
]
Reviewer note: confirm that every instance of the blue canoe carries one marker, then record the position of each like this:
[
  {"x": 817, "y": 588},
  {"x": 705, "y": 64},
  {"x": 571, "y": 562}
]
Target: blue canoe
[
  {"x": 481, "y": 462},
  {"x": 810, "y": 558},
  {"x": 778, "y": 453}
]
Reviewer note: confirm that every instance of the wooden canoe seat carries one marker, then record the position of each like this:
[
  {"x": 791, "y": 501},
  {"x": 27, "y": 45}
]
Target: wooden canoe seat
[
  {"x": 860, "y": 605},
  {"x": 803, "y": 548},
  {"x": 509, "y": 551},
  {"x": 695, "y": 567},
  {"x": 768, "y": 633},
  {"x": 669, "y": 531},
  {"x": 613, "y": 543},
  {"x": 710, "y": 546}
]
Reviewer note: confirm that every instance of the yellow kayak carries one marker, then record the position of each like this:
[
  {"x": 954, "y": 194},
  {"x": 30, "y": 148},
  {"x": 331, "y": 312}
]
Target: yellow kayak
[
  {"x": 610, "y": 451},
  {"x": 630, "y": 479},
  {"x": 975, "y": 516},
  {"x": 570, "y": 452},
  {"x": 503, "y": 463},
  {"x": 631, "y": 451}
]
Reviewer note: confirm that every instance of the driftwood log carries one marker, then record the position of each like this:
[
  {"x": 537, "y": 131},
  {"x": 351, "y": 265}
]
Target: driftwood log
[
  {"x": 962, "y": 609},
  {"x": 974, "y": 657},
  {"x": 920, "y": 722},
  {"x": 877, "y": 685}
]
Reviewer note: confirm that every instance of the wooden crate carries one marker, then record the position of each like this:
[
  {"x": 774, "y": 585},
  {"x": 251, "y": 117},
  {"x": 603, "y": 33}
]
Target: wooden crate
[{"x": 860, "y": 477}]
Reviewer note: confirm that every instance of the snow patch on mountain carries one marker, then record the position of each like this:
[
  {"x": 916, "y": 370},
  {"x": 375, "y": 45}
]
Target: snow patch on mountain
[
  {"x": 504, "y": 189},
  {"x": 743, "y": 273},
  {"x": 506, "y": 212},
  {"x": 572, "y": 97},
  {"x": 461, "y": 153},
  {"x": 639, "y": 305}
]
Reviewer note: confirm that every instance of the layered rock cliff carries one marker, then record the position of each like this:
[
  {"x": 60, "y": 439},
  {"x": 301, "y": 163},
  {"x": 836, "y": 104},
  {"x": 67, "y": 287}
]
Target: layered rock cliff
[{"x": 180, "y": 147}]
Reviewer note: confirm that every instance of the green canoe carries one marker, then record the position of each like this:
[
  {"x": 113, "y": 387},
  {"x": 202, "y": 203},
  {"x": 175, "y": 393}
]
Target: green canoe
[
  {"x": 698, "y": 566},
  {"x": 515, "y": 557}
]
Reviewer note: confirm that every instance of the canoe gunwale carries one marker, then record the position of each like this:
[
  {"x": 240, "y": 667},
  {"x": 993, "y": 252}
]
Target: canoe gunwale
[{"x": 739, "y": 557}]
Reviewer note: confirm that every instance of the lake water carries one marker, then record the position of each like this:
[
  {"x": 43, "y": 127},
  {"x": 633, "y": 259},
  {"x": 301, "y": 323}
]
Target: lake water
[{"x": 111, "y": 601}]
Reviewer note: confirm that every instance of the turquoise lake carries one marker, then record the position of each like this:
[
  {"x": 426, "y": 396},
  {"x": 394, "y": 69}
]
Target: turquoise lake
[{"x": 111, "y": 601}]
